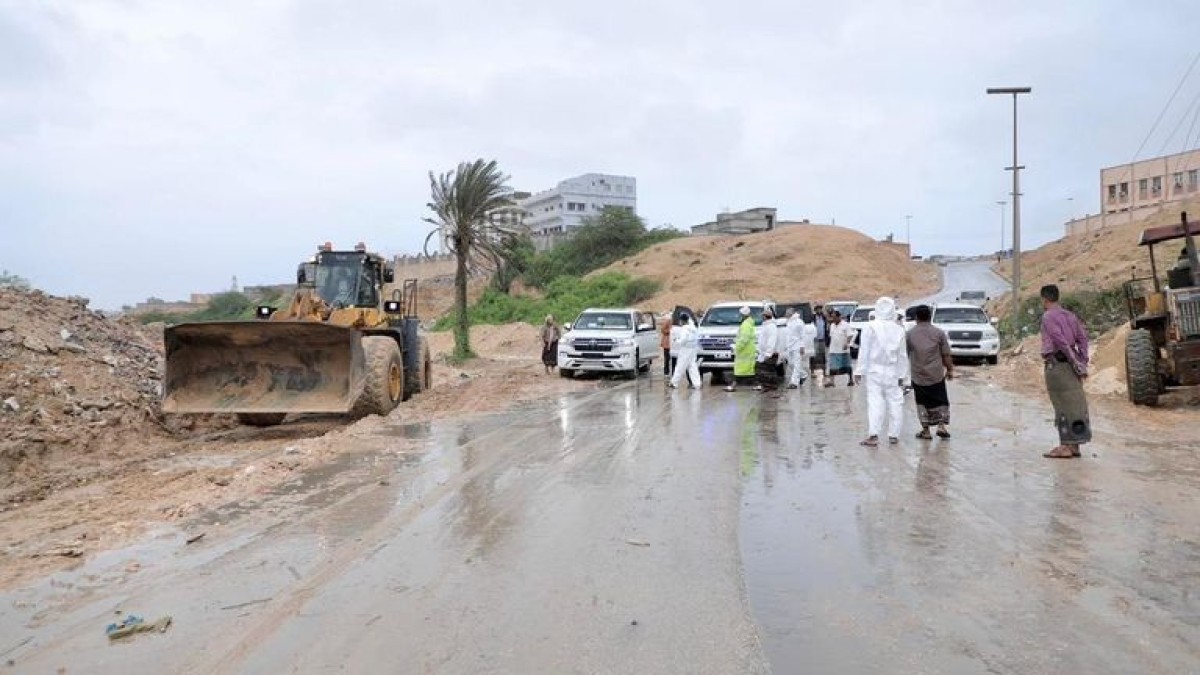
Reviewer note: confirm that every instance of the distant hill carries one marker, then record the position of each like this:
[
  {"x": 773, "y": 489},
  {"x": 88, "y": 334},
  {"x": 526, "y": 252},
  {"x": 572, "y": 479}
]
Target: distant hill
[{"x": 814, "y": 263}]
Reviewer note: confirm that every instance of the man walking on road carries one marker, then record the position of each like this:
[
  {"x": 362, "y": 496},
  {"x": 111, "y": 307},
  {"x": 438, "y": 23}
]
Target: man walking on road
[
  {"x": 932, "y": 366},
  {"x": 1065, "y": 352},
  {"x": 883, "y": 361},
  {"x": 743, "y": 351},
  {"x": 768, "y": 352},
  {"x": 840, "y": 336}
]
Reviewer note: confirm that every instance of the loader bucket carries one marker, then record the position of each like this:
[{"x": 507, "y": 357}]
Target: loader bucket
[{"x": 262, "y": 367}]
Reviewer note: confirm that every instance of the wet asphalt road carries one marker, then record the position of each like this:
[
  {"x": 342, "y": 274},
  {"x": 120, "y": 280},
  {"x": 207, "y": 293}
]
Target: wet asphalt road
[
  {"x": 965, "y": 276},
  {"x": 638, "y": 530}
]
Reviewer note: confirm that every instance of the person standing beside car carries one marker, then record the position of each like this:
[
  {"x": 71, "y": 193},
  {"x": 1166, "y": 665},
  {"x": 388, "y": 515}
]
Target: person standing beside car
[
  {"x": 841, "y": 335},
  {"x": 664, "y": 341},
  {"x": 550, "y": 335},
  {"x": 686, "y": 343},
  {"x": 821, "y": 323},
  {"x": 744, "y": 350},
  {"x": 1065, "y": 353},
  {"x": 797, "y": 357},
  {"x": 767, "y": 369}
]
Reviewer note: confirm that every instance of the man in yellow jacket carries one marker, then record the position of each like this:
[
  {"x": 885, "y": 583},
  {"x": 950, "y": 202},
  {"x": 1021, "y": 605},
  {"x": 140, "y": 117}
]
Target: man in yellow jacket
[{"x": 745, "y": 350}]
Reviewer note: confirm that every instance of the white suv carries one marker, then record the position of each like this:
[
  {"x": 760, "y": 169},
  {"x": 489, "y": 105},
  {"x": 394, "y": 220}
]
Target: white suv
[
  {"x": 972, "y": 334},
  {"x": 609, "y": 341},
  {"x": 717, "y": 332}
]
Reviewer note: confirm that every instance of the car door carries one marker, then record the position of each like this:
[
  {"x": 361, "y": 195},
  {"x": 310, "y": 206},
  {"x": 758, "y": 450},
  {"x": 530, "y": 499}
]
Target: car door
[{"x": 647, "y": 334}]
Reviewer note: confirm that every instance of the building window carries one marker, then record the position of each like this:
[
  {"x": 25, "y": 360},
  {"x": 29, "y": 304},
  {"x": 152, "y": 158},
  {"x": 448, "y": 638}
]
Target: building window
[
  {"x": 1124, "y": 192},
  {"x": 1193, "y": 180},
  {"x": 1112, "y": 192},
  {"x": 1178, "y": 180},
  {"x": 1156, "y": 186},
  {"x": 1143, "y": 186}
]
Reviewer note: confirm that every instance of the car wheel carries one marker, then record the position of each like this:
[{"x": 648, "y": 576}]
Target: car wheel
[
  {"x": 993, "y": 360},
  {"x": 566, "y": 373}
]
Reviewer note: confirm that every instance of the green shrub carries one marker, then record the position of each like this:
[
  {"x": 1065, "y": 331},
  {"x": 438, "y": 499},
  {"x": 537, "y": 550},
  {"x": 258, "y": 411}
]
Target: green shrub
[
  {"x": 565, "y": 298},
  {"x": 1100, "y": 311}
]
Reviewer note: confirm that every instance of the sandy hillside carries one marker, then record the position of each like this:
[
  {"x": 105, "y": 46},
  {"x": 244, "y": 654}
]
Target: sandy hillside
[
  {"x": 1098, "y": 260},
  {"x": 800, "y": 262}
]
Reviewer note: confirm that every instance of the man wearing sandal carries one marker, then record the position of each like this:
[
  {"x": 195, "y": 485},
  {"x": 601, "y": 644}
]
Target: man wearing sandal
[
  {"x": 932, "y": 366},
  {"x": 1065, "y": 352},
  {"x": 883, "y": 362}
]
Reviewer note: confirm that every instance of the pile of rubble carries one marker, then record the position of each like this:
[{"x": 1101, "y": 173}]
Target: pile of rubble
[{"x": 75, "y": 386}]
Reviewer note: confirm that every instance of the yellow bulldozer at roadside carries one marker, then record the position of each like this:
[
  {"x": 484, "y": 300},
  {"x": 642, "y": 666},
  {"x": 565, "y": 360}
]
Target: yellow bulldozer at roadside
[{"x": 341, "y": 345}]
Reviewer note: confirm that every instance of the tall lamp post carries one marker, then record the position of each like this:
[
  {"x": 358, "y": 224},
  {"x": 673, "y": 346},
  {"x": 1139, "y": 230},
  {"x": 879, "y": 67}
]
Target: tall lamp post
[
  {"x": 1016, "y": 202},
  {"x": 908, "y": 233},
  {"x": 1002, "y": 204}
]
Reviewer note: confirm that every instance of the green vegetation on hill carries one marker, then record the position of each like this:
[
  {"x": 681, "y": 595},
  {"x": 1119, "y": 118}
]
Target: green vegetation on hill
[
  {"x": 1100, "y": 311},
  {"x": 565, "y": 298},
  {"x": 560, "y": 273}
]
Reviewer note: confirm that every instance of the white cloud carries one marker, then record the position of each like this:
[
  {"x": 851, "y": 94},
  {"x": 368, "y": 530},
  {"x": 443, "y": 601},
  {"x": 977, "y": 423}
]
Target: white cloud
[{"x": 157, "y": 148}]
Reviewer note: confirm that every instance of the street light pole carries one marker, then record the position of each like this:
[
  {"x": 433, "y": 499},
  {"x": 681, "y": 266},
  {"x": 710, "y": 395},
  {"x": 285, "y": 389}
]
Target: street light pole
[
  {"x": 908, "y": 233},
  {"x": 1002, "y": 204},
  {"x": 1016, "y": 202}
]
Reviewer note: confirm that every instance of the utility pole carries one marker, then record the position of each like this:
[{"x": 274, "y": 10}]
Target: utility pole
[
  {"x": 908, "y": 234},
  {"x": 1002, "y": 204},
  {"x": 1016, "y": 202}
]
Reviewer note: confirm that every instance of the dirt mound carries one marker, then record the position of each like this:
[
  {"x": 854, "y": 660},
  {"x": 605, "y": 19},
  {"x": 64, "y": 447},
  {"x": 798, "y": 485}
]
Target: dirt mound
[
  {"x": 1098, "y": 260},
  {"x": 799, "y": 262},
  {"x": 73, "y": 384}
]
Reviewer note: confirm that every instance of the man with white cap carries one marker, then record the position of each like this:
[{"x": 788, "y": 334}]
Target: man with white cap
[
  {"x": 767, "y": 369},
  {"x": 744, "y": 350},
  {"x": 883, "y": 362}
]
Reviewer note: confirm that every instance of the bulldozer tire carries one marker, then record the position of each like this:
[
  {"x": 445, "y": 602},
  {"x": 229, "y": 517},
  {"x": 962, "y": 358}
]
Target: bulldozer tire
[
  {"x": 384, "y": 386},
  {"x": 415, "y": 383},
  {"x": 1141, "y": 368},
  {"x": 261, "y": 419}
]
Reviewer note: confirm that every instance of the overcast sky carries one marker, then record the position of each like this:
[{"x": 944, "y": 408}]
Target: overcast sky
[{"x": 161, "y": 147}]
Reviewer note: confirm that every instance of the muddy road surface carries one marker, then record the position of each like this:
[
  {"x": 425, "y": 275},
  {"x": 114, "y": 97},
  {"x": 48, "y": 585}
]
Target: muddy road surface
[{"x": 636, "y": 530}]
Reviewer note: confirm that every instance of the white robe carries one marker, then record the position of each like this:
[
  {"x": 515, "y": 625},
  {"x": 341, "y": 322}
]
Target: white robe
[
  {"x": 883, "y": 363},
  {"x": 686, "y": 346}
]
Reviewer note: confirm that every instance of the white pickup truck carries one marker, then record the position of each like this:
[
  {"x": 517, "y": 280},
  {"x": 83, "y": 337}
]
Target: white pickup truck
[
  {"x": 718, "y": 329},
  {"x": 609, "y": 341}
]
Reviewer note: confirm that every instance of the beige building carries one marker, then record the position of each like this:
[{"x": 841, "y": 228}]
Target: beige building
[
  {"x": 1131, "y": 192},
  {"x": 739, "y": 222}
]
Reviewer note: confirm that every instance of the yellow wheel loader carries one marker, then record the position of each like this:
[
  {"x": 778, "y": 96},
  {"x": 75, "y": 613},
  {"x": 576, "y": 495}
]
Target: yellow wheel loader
[{"x": 339, "y": 346}]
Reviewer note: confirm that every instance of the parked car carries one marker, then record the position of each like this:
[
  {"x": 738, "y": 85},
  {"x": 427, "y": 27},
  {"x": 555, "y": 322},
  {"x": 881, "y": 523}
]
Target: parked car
[
  {"x": 804, "y": 308},
  {"x": 976, "y": 298},
  {"x": 717, "y": 331},
  {"x": 846, "y": 307},
  {"x": 972, "y": 333},
  {"x": 859, "y": 320},
  {"x": 624, "y": 341}
]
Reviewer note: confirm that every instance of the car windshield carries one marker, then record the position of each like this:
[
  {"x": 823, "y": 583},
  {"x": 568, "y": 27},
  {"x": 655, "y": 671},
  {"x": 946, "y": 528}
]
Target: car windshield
[
  {"x": 974, "y": 295},
  {"x": 862, "y": 314},
  {"x": 844, "y": 309},
  {"x": 959, "y": 315},
  {"x": 730, "y": 316},
  {"x": 603, "y": 321}
]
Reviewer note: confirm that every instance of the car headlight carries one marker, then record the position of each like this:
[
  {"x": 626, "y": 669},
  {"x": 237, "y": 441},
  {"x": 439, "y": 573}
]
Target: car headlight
[
  {"x": 568, "y": 340},
  {"x": 626, "y": 342},
  {"x": 991, "y": 335}
]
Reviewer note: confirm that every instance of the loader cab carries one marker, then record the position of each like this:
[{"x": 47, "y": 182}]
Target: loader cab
[{"x": 346, "y": 278}]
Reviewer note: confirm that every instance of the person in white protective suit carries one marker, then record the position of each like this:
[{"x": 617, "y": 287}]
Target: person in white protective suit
[
  {"x": 685, "y": 343},
  {"x": 883, "y": 363},
  {"x": 797, "y": 349},
  {"x": 809, "y": 341}
]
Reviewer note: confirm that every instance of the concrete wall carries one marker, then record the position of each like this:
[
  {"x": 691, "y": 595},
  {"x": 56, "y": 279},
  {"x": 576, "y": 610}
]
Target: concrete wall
[{"x": 761, "y": 219}]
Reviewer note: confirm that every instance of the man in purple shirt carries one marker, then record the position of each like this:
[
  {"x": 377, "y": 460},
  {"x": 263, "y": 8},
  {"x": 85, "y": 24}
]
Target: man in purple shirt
[{"x": 1065, "y": 352}]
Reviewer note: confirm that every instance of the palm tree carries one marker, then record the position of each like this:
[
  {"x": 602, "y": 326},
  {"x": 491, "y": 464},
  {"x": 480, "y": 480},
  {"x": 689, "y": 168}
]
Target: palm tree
[{"x": 470, "y": 207}]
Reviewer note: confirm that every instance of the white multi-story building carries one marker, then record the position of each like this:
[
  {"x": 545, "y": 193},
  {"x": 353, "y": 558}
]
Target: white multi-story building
[{"x": 555, "y": 212}]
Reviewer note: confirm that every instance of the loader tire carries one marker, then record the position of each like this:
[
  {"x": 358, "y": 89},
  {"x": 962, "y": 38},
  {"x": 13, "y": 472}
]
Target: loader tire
[
  {"x": 422, "y": 380},
  {"x": 261, "y": 419},
  {"x": 1141, "y": 368},
  {"x": 384, "y": 386}
]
